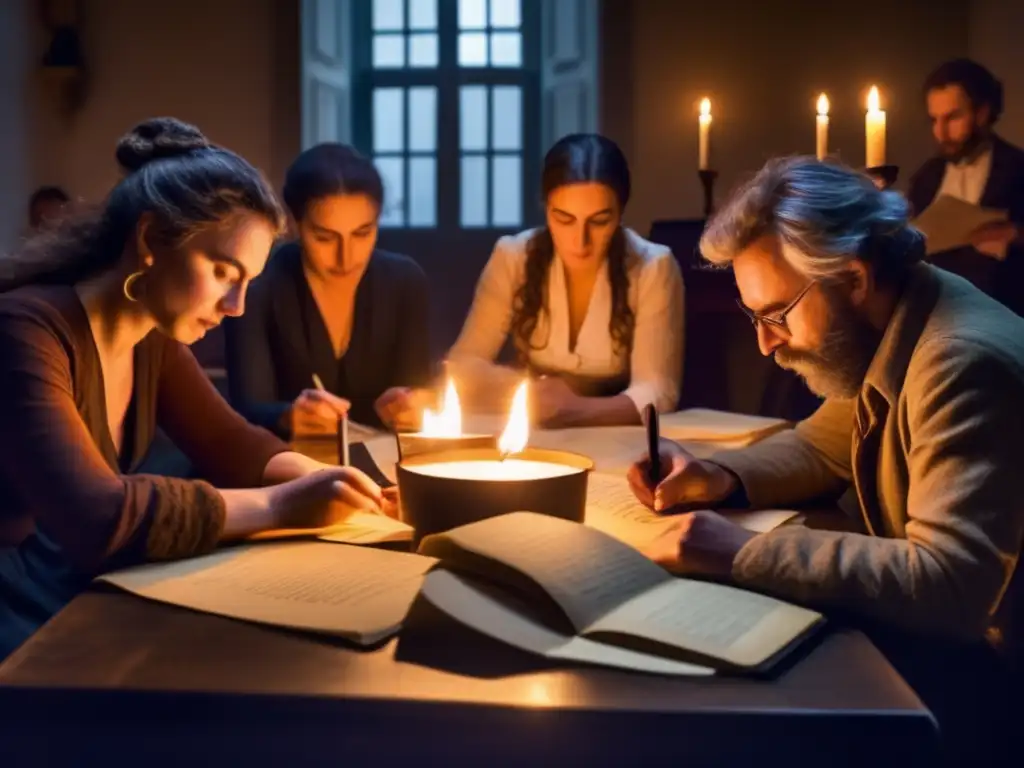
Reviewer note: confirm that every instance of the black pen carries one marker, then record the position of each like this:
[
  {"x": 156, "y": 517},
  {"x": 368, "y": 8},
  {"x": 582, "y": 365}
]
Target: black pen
[{"x": 653, "y": 440}]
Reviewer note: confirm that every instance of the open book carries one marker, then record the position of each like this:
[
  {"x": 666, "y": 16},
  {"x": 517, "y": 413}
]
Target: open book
[
  {"x": 583, "y": 583},
  {"x": 359, "y": 594}
]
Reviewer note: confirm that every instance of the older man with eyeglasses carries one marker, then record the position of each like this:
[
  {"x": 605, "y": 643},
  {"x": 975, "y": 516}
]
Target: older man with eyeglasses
[{"x": 922, "y": 422}]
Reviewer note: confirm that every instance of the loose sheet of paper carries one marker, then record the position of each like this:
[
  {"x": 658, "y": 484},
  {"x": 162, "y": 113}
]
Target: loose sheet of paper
[
  {"x": 948, "y": 223},
  {"x": 491, "y": 613},
  {"x": 358, "y": 593},
  {"x": 613, "y": 509},
  {"x": 703, "y": 424},
  {"x": 367, "y": 528}
]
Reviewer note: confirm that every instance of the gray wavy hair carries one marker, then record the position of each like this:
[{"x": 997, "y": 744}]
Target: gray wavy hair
[{"x": 824, "y": 215}]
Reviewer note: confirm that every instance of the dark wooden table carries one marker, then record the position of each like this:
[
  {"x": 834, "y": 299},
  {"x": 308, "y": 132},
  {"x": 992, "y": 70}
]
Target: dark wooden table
[{"x": 117, "y": 680}]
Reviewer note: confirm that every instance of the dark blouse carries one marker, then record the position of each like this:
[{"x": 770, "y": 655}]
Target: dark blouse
[
  {"x": 274, "y": 349},
  {"x": 71, "y": 507}
]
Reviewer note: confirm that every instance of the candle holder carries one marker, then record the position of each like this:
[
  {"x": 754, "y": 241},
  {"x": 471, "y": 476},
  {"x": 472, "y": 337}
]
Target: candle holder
[
  {"x": 412, "y": 444},
  {"x": 441, "y": 491},
  {"x": 884, "y": 175},
  {"x": 707, "y": 180}
]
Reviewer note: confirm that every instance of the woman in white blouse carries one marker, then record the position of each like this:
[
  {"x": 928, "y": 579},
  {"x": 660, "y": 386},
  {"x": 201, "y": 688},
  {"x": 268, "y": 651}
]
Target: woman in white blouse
[{"x": 595, "y": 312}]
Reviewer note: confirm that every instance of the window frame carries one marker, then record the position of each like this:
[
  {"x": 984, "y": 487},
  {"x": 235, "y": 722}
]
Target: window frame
[{"x": 448, "y": 77}]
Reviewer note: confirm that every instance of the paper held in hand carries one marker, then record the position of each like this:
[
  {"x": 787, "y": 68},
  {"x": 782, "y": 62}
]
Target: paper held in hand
[
  {"x": 362, "y": 595},
  {"x": 948, "y": 223},
  {"x": 544, "y": 585}
]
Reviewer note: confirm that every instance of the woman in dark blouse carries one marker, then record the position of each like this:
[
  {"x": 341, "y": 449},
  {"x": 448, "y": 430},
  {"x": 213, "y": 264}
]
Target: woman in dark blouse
[
  {"x": 333, "y": 305},
  {"x": 94, "y": 319}
]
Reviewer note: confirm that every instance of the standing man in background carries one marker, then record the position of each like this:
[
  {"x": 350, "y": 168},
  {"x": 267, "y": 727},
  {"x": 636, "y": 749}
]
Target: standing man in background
[{"x": 976, "y": 165}]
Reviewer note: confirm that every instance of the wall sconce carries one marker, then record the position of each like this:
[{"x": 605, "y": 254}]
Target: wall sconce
[{"x": 63, "y": 66}]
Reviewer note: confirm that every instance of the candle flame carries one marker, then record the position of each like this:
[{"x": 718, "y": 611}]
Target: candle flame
[
  {"x": 447, "y": 422},
  {"x": 874, "y": 103},
  {"x": 517, "y": 431},
  {"x": 705, "y": 107},
  {"x": 823, "y": 105}
]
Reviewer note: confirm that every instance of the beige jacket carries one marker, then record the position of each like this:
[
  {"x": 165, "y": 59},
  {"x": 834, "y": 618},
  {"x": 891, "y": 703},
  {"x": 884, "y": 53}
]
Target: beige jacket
[{"x": 932, "y": 446}]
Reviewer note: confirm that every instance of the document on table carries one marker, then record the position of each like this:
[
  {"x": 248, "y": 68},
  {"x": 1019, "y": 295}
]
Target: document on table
[
  {"x": 353, "y": 592},
  {"x": 948, "y": 223},
  {"x": 706, "y": 425},
  {"x": 613, "y": 509}
]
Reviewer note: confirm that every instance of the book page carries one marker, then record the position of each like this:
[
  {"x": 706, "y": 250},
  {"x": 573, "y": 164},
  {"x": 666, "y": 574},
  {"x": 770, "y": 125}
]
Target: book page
[
  {"x": 613, "y": 509},
  {"x": 357, "y": 593},
  {"x": 493, "y": 613},
  {"x": 948, "y": 223},
  {"x": 703, "y": 424},
  {"x": 584, "y": 571},
  {"x": 721, "y": 622}
]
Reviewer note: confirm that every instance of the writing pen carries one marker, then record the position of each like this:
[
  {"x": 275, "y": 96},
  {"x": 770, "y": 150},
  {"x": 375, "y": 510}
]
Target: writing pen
[
  {"x": 653, "y": 440},
  {"x": 343, "y": 452}
]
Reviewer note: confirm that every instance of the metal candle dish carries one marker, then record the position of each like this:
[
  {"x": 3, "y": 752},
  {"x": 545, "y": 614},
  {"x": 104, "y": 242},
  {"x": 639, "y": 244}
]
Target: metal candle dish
[{"x": 441, "y": 491}]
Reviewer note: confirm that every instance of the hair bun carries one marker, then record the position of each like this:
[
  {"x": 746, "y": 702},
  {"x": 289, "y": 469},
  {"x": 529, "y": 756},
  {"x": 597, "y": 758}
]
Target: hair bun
[{"x": 157, "y": 138}]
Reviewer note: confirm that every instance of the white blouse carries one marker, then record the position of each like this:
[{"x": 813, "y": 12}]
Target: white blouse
[{"x": 653, "y": 365}]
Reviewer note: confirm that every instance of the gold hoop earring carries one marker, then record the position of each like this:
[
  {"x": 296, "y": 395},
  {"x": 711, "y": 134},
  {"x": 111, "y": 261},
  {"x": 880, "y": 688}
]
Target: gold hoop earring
[{"x": 129, "y": 282}]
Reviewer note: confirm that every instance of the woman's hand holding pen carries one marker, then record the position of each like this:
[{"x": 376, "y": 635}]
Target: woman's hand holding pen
[{"x": 316, "y": 412}]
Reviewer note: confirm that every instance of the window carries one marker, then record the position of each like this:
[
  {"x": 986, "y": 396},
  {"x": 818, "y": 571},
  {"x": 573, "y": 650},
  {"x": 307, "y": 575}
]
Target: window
[{"x": 445, "y": 102}]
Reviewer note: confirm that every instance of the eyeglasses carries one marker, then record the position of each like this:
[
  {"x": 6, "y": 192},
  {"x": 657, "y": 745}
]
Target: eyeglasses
[{"x": 777, "y": 320}]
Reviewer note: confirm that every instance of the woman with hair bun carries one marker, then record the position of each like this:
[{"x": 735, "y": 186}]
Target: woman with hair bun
[{"x": 95, "y": 319}]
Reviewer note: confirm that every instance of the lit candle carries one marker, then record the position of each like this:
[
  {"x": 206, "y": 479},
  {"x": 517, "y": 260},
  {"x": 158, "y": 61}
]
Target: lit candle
[
  {"x": 448, "y": 422},
  {"x": 874, "y": 132},
  {"x": 445, "y": 489},
  {"x": 704, "y": 153},
  {"x": 441, "y": 430},
  {"x": 821, "y": 144}
]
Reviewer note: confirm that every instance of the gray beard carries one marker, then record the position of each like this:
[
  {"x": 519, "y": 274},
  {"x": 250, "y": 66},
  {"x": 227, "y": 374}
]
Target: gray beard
[{"x": 838, "y": 368}]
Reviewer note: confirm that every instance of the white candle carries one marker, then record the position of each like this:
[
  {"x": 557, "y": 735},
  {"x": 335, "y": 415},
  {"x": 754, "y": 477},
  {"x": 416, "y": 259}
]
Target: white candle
[
  {"x": 498, "y": 470},
  {"x": 704, "y": 147},
  {"x": 821, "y": 143},
  {"x": 874, "y": 132}
]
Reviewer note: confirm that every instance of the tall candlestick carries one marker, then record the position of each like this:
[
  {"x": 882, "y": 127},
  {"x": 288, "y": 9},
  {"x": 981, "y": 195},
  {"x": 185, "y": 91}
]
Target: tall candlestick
[
  {"x": 821, "y": 143},
  {"x": 874, "y": 132},
  {"x": 704, "y": 153}
]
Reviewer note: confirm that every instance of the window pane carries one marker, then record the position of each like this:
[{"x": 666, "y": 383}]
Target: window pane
[
  {"x": 388, "y": 51},
  {"x": 388, "y": 120},
  {"x": 507, "y": 189},
  {"x": 505, "y": 13},
  {"x": 422, "y": 192},
  {"x": 423, "y": 119},
  {"x": 472, "y": 49},
  {"x": 423, "y": 14},
  {"x": 423, "y": 50},
  {"x": 473, "y": 186},
  {"x": 506, "y": 117},
  {"x": 391, "y": 169},
  {"x": 388, "y": 14},
  {"x": 472, "y": 14},
  {"x": 506, "y": 49},
  {"x": 472, "y": 117}
]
